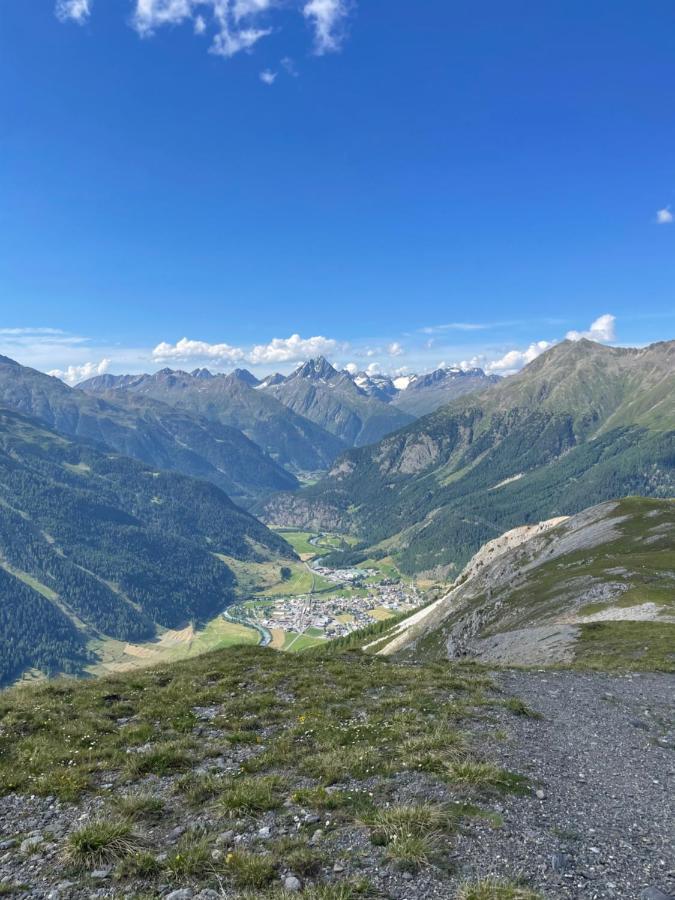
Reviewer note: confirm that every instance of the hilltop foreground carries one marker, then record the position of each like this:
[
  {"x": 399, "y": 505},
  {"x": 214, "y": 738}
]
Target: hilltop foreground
[{"x": 249, "y": 773}]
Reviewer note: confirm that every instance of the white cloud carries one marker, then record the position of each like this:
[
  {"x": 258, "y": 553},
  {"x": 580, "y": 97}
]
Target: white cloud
[
  {"x": 18, "y": 332},
  {"x": 186, "y": 350},
  {"x": 458, "y": 326},
  {"x": 229, "y": 42},
  {"x": 516, "y": 359},
  {"x": 244, "y": 8},
  {"x": 278, "y": 350},
  {"x": 476, "y": 362},
  {"x": 291, "y": 349},
  {"x": 229, "y": 38},
  {"x": 373, "y": 369},
  {"x": 236, "y": 25},
  {"x": 75, "y": 374},
  {"x": 352, "y": 368},
  {"x": 327, "y": 18},
  {"x": 601, "y": 330},
  {"x": 395, "y": 349},
  {"x": 73, "y": 10},
  {"x": 152, "y": 14},
  {"x": 664, "y": 216},
  {"x": 268, "y": 77}
]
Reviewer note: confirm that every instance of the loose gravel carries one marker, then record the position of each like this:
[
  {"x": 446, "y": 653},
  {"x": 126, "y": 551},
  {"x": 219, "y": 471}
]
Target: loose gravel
[{"x": 601, "y": 760}]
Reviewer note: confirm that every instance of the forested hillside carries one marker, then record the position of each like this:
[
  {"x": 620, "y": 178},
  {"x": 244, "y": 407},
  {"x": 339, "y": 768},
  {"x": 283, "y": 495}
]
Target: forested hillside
[
  {"x": 581, "y": 424},
  {"x": 95, "y": 543},
  {"x": 231, "y": 400},
  {"x": 153, "y": 432}
]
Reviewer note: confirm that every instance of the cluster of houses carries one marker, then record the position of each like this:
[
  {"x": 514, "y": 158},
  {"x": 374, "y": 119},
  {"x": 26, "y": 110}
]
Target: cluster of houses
[{"x": 336, "y": 616}]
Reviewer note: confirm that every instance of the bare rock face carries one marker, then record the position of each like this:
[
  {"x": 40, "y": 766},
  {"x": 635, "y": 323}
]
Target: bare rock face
[
  {"x": 291, "y": 511},
  {"x": 525, "y": 596},
  {"x": 528, "y": 646}
]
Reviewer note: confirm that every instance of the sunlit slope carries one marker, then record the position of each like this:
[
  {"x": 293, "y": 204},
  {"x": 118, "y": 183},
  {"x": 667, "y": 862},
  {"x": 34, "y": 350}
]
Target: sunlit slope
[
  {"x": 581, "y": 424},
  {"x": 601, "y": 583}
]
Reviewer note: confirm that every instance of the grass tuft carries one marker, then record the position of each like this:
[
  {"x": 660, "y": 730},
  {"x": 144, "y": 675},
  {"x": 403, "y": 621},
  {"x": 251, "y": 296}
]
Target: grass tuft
[
  {"x": 249, "y": 795},
  {"x": 101, "y": 842},
  {"x": 250, "y": 870},
  {"x": 139, "y": 806},
  {"x": 190, "y": 859}
]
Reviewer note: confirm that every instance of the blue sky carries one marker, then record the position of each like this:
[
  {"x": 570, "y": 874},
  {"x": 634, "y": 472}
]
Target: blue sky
[{"x": 396, "y": 184}]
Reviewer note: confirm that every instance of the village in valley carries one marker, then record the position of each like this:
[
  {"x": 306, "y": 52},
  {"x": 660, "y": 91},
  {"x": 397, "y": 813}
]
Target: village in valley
[{"x": 332, "y": 602}]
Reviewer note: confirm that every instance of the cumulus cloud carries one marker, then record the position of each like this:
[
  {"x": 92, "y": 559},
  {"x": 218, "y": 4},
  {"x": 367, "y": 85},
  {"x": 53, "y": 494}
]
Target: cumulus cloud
[
  {"x": 601, "y": 330},
  {"x": 73, "y": 10},
  {"x": 395, "y": 349},
  {"x": 75, "y": 374},
  {"x": 291, "y": 349},
  {"x": 268, "y": 77},
  {"x": 516, "y": 359},
  {"x": 185, "y": 350},
  {"x": 373, "y": 369},
  {"x": 327, "y": 18},
  {"x": 664, "y": 216},
  {"x": 476, "y": 362},
  {"x": 278, "y": 350},
  {"x": 352, "y": 368}
]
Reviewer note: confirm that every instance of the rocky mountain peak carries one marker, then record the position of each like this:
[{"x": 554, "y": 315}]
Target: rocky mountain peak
[
  {"x": 246, "y": 376},
  {"x": 318, "y": 368}
]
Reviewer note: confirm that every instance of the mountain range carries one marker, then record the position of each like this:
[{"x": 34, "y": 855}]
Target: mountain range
[
  {"x": 303, "y": 420},
  {"x": 580, "y": 424},
  {"x": 292, "y": 441},
  {"x": 153, "y": 432}
]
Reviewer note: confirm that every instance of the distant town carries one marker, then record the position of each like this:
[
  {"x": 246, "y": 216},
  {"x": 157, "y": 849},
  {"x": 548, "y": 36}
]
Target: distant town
[{"x": 337, "y": 616}]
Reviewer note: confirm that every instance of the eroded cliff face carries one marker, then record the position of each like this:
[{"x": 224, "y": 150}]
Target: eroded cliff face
[
  {"x": 291, "y": 511},
  {"x": 522, "y": 597}
]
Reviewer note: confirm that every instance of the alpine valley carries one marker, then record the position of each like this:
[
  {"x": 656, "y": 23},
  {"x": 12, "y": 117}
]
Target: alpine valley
[{"x": 325, "y": 633}]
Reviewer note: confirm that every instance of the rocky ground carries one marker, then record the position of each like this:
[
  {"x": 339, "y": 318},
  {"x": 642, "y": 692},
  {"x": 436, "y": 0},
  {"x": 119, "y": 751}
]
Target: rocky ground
[
  {"x": 602, "y": 760},
  {"x": 594, "y": 820}
]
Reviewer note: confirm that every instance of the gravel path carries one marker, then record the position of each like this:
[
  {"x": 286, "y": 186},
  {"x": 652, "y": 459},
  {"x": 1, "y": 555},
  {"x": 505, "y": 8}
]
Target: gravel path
[{"x": 602, "y": 760}]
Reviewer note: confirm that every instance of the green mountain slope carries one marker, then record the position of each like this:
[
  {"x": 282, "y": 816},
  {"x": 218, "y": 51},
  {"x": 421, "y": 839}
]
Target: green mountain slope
[
  {"x": 151, "y": 432},
  {"x": 232, "y": 400},
  {"x": 597, "y": 589},
  {"x": 98, "y": 544},
  {"x": 581, "y": 424}
]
